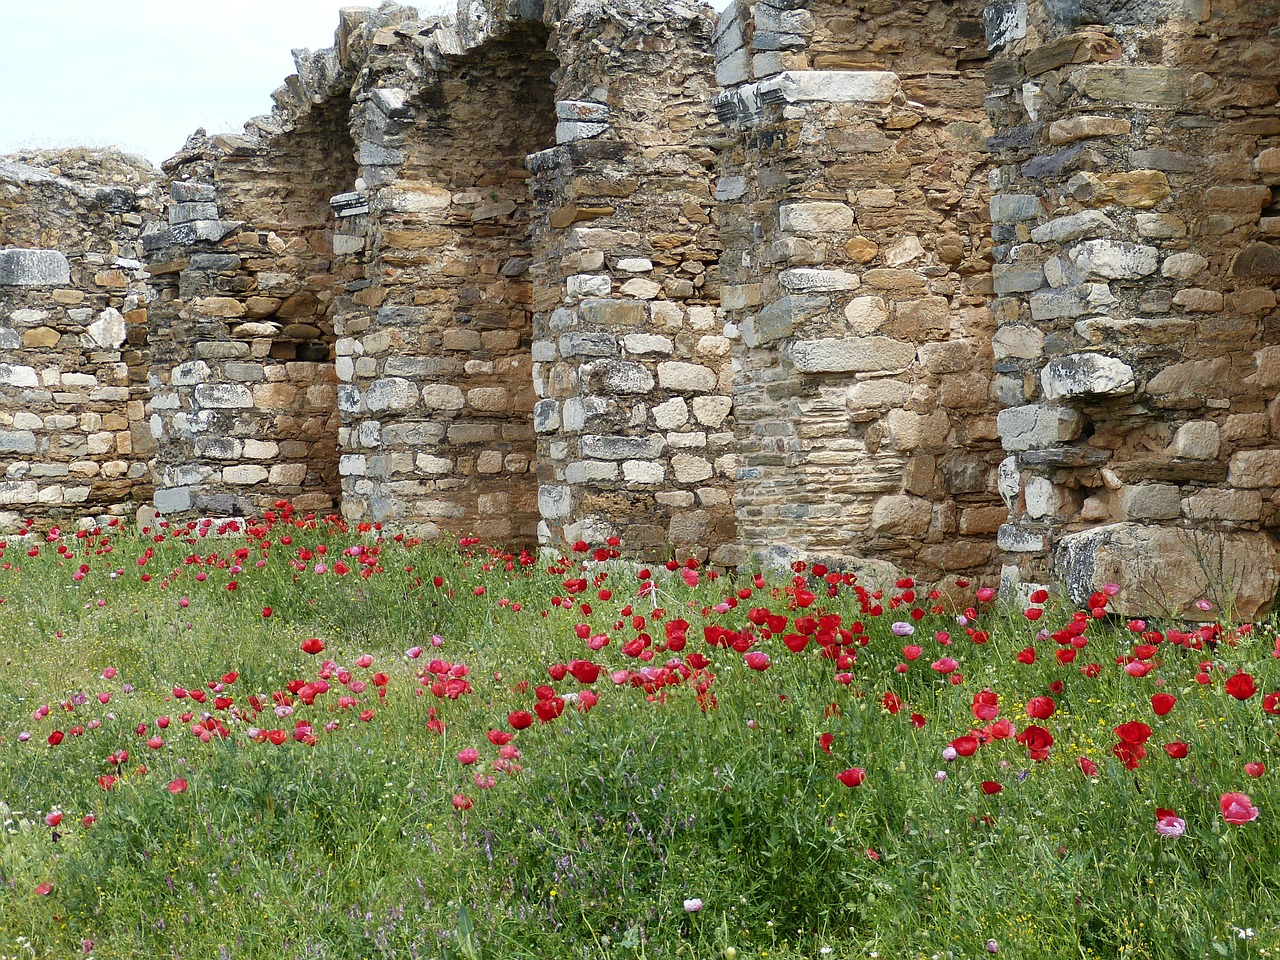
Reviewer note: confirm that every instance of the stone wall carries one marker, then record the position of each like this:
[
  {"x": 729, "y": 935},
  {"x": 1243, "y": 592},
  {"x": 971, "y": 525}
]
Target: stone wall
[
  {"x": 73, "y": 381},
  {"x": 1138, "y": 345},
  {"x": 937, "y": 285},
  {"x": 856, "y": 268}
]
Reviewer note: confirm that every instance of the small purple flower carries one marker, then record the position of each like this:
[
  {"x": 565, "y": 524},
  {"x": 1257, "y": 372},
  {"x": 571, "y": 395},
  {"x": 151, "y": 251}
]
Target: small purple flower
[
  {"x": 24, "y": 736},
  {"x": 692, "y": 906},
  {"x": 949, "y": 753},
  {"x": 993, "y": 947},
  {"x": 901, "y": 628}
]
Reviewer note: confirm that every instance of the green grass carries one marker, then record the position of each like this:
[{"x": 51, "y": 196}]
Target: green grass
[{"x": 707, "y": 783}]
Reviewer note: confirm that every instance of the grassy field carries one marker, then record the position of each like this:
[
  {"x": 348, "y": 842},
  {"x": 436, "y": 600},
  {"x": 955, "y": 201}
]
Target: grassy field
[{"x": 287, "y": 739}]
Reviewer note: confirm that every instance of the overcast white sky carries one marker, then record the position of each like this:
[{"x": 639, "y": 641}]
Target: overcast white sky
[{"x": 143, "y": 74}]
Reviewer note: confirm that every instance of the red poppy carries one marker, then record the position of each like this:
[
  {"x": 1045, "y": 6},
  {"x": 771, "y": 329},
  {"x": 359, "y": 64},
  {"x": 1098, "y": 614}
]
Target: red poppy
[
  {"x": 584, "y": 671},
  {"x": 1162, "y": 703},
  {"x": 986, "y": 705},
  {"x": 852, "y": 777},
  {"x": 1040, "y": 708},
  {"x": 990, "y": 787},
  {"x": 1027, "y": 656},
  {"x": 548, "y": 710},
  {"x": 1130, "y": 754},
  {"x": 468, "y": 756},
  {"x": 44, "y": 889},
  {"x": 106, "y": 781},
  {"x": 519, "y": 719},
  {"x": 277, "y": 737},
  {"x": 56, "y": 738},
  {"x": 1241, "y": 686},
  {"x": 1134, "y": 732},
  {"x": 825, "y": 741},
  {"x": 313, "y": 645},
  {"x": 1037, "y": 740},
  {"x": 1271, "y": 702},
  {"x": 965, "y": 746},
  {"x": 1088, "y": 767},
  {"x": 499, "y": 737},
  {"x": 945, "y": 665},
  {"x": 177, "y": 786},
  {"x": 461, "y": 801},
  {"x": 890, "y": 701},
  {"x": 1255, "y": 769},
  {"x": 757, "y": 660}
]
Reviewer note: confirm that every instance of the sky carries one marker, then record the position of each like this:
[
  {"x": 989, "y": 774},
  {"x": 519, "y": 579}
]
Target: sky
[{"x": 144, "y": 74}]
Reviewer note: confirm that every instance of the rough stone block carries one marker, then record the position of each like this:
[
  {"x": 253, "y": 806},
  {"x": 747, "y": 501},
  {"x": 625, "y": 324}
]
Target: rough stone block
[
  {"x": 1086, "y": 375},
  {"x": 1062, "y": 132},
  {"x": 901, "y": 515},
  {"x": 34, "y": 268},
  {"x": 1150, "y": 501},
  {"x": 1192, "y": 379},
  {"x": 223, "y": 396},
  {"x": 712, "y": 411},
  {"x": 834, "y": 86},
  {"x": 442, "y": 396},
  {"x": 1073, "y": 227},
  {"x": 645, "y": 343},
  {"x": 815, "y": 218},
  {"x": 597, "y": 447},
  {"x": 1115, "y": 259},
  {"x": 1254, "y": 469},
  {"x": 804, "y": 280},
  {"x": 1015, "y": 208},
  {"x": 171, "y": 500},
  {"x": 1071, "y": 301},
  {"x": 1197, "y": 440},
  {"x": 643, "y": 471},
  {"x": 686, "y": 377},
  {"x": 392, "y": 393},
  {"x": 1034, "y": 426},
  {"x": 624, "y": 377},
  {"x": 1166, "y": 570},
  {"x": 852, "y": 355},
  {"x": 244, "y": 474},
  {"x": 588, "y": 344}
]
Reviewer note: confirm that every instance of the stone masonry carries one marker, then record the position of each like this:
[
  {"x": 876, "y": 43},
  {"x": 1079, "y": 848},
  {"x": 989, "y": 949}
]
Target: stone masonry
[
  {"x": 73, "y": 380},
  {"x": 937, "y": 286}
]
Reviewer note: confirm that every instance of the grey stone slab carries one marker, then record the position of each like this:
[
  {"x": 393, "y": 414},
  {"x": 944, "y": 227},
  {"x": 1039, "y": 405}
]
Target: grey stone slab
[{"x": 34, "y": 268}]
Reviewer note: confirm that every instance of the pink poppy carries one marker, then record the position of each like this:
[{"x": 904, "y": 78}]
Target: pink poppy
[{"x": 1237, "y": 808}]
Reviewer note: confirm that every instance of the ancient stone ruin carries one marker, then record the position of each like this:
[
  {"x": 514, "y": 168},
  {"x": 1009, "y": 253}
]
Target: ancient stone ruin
[{"x": 936, "y": 286}]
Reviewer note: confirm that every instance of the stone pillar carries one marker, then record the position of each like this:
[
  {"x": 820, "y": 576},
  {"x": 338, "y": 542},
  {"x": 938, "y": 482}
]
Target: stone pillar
[
  {"x": 433, "y": 349},
  {"x": 631, "y": 358},
  {"x": 1136, "y": 276},
  {"x": 73, "y": 381},
  {"x": 245, "y": 280},
  {"x": 855, "y": 273}
]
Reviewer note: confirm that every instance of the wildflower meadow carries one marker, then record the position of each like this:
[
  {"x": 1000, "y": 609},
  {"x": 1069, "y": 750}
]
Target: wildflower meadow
[{"x": 284, "y": 737}]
